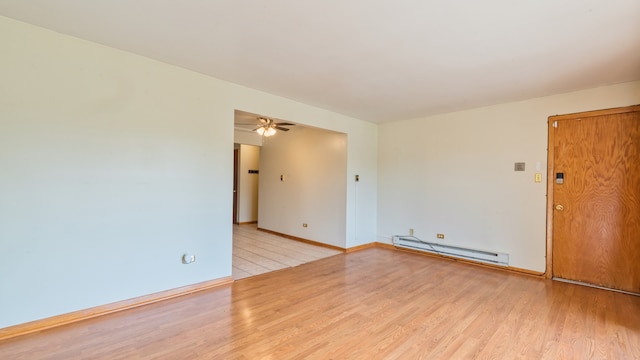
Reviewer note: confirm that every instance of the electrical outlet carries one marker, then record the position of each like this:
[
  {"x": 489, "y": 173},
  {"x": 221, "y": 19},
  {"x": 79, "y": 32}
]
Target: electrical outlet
[
  {"x": 440, "y": 236},
  {"x": 410, "y": 232},
  {"x": 188, "y": 258},
  {"x": 305, "y": 225}
]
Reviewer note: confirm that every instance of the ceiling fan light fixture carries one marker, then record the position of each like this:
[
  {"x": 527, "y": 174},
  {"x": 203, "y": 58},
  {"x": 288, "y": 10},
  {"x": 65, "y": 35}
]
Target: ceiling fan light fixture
[
  {"x": 268, "y": 127},
  {"x": 265, "y": 131}
]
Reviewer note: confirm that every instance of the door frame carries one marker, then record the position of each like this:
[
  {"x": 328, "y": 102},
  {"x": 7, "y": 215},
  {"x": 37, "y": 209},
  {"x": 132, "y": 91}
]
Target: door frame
[
  {"x": 550, "y": 168},
  {"x": 236, "y": 159}
]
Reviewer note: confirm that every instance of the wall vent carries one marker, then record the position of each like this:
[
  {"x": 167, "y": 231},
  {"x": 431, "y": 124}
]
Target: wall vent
[{"x": 489, "y": 257}]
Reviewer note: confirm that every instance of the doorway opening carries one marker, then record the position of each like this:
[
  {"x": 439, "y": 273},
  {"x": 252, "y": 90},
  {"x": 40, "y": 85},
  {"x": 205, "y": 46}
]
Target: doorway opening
[
  {"x": 245, "y": 183},
  {"x": 292, "y": 183}
]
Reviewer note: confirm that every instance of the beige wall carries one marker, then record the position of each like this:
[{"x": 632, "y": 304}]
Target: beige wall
[
  {"x": 313, "y": 164},
  {"x": 453, "y": 173}
]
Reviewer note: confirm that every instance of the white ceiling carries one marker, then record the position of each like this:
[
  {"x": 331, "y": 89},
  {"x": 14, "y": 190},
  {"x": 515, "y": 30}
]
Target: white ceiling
[{"x": 377, "y": 60}]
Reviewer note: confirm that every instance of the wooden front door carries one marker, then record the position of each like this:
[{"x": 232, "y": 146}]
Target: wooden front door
[{"x": 595, "y": 175}]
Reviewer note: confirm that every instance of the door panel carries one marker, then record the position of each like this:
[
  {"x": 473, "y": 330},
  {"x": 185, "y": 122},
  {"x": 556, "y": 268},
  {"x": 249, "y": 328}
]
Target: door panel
[{"x": 596, "y": 210}]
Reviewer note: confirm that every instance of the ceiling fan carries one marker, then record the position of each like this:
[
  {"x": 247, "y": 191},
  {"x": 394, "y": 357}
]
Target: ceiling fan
[{"x": 268, "y": 127}]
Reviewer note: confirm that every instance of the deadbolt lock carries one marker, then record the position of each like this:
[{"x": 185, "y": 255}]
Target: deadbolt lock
[{"x": 559, "y": 207}]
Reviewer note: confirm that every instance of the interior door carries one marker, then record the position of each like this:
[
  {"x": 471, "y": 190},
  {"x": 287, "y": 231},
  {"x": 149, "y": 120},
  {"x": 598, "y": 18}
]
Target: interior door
[{"x": 596, "y": 198}]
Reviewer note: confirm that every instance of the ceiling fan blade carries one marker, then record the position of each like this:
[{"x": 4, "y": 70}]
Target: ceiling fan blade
[
  {"x": 284, "y": 124},
  {"x": 281, "y": 128}
]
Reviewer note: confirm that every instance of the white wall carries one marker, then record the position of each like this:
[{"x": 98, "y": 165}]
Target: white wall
[
  {"x": 248, "y": 183},
  {"x": 247, "y": 137},
  {"x": 113, "y": 165},
  {"x": 313, "y": 166},
  {"x": 453, "y": 173}
]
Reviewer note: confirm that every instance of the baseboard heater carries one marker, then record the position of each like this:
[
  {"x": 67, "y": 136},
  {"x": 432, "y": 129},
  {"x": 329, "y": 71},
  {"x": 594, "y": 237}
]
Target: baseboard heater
[{"x": 489, "y": 257}]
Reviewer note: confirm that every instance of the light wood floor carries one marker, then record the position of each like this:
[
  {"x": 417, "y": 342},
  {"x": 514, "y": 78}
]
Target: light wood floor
[
  {"x": 370, "y": 304},
  {"x": 257, "y": 252}
]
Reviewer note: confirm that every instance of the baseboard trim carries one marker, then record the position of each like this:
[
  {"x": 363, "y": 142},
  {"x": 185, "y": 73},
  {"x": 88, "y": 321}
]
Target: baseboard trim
[
  {"x": 247, "y": 222},
  {"x": 365, "y": 246},
  {"x": 451, "y": 258},
  {"x": 477, "y": 263},
  {"x": 72, "y": 317},
  {"x": 386, "y": 246},
  {"x": 360, "y": 247},
  {"x": 290, "y": 237}
]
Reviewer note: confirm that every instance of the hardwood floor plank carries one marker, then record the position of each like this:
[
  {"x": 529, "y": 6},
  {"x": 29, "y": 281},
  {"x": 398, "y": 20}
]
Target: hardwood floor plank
[{"x": 371, "y": 304}]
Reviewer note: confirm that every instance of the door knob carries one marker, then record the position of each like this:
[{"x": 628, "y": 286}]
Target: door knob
[{"x": 559, "y": 207}]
